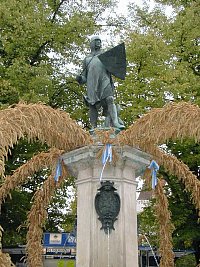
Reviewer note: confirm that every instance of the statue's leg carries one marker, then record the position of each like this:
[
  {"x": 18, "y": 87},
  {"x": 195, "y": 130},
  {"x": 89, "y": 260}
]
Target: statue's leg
[
  {"x": 107, "y": 122},
  {"x": 93, "y": 115},
  {"x": 113, "y": 112},
  {"x": 118, "y": 111}
]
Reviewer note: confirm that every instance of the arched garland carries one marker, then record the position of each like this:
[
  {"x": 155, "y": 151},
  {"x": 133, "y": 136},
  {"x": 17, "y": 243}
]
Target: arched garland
[
  {"x": 192, "y": 185},
  {"x": 166, "y": 228},
  {"x": 173, "y": 121},
  {"x": 5, "y": 260},
  {"x": 37, "y": 217},
  {"x": 178, "y": 169},
  {"x": 145, "y": 131},
  {"x": 19, "y": 177},
  {"x": 54, "y": 127},
  {"x": 24, "y": 172}
]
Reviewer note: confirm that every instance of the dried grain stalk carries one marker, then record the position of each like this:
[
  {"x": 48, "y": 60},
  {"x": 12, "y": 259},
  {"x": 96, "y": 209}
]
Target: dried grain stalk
[
  {"x": 173, "y": 121},
  {"x": 192, "y": 185},
  {"x": 57, "y": 129},
  {"x": 24, "y": 172},
  {"x": 37, "y": 217},
  {"x": 166, "y": 228},
  {"x": 5, "y": 260},
  {"x": 177, "y": 168},
  {"x": 38, "y": 121}
]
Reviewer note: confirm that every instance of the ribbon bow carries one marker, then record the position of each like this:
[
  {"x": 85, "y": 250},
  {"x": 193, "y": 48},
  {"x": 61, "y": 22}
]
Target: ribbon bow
[
  {"x": 58, "y": 172},
  {"x": 154, "y": 168},
  {"x": 107, "y": 155}
]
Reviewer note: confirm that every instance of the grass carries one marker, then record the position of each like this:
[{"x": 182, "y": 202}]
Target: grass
[{"x": 64, "y": 263}]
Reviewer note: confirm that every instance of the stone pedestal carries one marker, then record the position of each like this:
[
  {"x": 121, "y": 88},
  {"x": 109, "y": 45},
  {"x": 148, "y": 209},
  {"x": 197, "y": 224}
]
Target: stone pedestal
[{"x": 94, "y": 247}]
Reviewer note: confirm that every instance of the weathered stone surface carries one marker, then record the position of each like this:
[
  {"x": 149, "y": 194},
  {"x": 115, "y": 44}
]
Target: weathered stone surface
[{"x": 94, "y": 247}]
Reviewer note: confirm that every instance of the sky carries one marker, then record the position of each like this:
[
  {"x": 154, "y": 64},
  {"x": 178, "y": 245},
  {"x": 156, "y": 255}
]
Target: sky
[
  {"x": 122, "y": 6},
  {"x": 122, "y": 9}
]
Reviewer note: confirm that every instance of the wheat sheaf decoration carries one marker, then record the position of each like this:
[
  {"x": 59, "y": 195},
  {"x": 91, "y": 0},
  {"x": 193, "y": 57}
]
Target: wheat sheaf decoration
[
  {"x": 163, "y": 218},
  {"x": 19, "y": 177},
  {"x": 37, "y": 217},
  {"x": 5, "y": 260},
  {"x": 173, "y": 121},
  {"x": 26, "y": 171},
  {"x": 166, "y": 228},
  {"x": 38, "y": 121},
  {"x": 62, "y": 134},
  {"x": 177, "y": 168}
]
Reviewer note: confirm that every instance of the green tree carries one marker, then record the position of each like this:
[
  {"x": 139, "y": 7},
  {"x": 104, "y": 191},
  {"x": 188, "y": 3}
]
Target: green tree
[
  {"x": 41, "y": 43},
  {"x": 41, "y": 47},
  {"x": 185, "y": 261},
  {"x": 184, "y": 215},
  {"x": 40, "y": 39},
  {"x": 163, "y": 58},
  {"x": 163, "y": 65}
]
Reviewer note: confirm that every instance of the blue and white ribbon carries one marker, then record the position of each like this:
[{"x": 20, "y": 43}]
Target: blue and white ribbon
[
  {"x": 107, "y": 155},
  {"x": 154, "y": 168},
  {"x": 58, "y": 170}
]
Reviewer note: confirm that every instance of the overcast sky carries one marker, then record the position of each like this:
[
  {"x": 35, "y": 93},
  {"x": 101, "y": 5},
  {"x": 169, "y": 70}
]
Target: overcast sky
[{"x": 122, "y": 6}]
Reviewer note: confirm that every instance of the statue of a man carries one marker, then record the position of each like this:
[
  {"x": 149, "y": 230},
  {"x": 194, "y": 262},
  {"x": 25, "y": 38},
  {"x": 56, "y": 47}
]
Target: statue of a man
[{"x": 100, "y": 87}]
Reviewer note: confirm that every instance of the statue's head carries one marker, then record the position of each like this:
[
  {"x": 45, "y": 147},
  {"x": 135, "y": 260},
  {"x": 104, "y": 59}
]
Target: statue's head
[{"x": 95, "y": 43}]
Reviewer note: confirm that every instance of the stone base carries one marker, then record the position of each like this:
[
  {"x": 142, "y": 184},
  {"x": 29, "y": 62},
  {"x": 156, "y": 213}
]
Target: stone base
[{"x": 94, "y": 247}]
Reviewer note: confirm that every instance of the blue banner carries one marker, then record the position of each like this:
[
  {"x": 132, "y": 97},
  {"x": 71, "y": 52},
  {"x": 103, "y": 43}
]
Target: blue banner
[{"x": 59, "y": 240}]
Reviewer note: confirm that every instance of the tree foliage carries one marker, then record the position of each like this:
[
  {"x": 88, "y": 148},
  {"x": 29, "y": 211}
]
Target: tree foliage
[
  {"x": 186, "y": 234},
  {"x": 41, "y": 47},
  {"x": 41, "y": 44},
  {"x": 163, "y": 65},
  {"x": 163, "y": 57}
]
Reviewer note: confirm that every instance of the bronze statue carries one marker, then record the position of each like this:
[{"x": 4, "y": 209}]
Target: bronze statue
[{"x": 100, "y": 87}]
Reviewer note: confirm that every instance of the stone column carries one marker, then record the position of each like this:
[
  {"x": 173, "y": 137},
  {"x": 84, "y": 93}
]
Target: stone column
[{"x": 94, "y": 247}]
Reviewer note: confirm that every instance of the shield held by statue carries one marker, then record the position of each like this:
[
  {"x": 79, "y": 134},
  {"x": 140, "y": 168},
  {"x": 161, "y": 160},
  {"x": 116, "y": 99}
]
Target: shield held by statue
[{"x": 114, "y": 61}]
